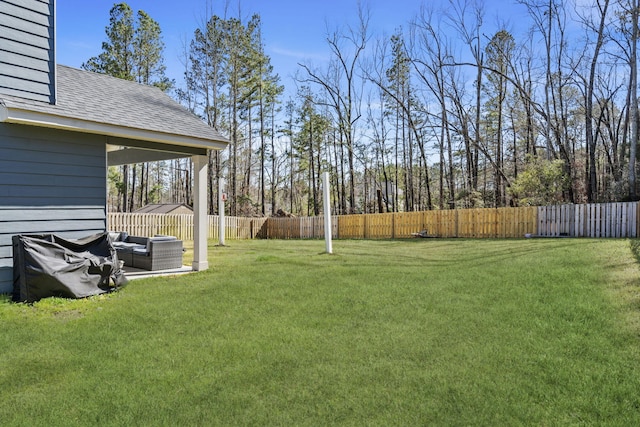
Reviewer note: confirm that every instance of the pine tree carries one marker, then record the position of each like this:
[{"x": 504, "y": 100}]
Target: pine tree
[
  {"x": 235, "y": 88},
  {"x": 498, "y": 56},
  {"x": 148, "y": 49},
  {"x": 204, "y": 79},
  {"x": 117, "y": 58},
  {"x": 399, "y": 80},
  {"x": 133, "y": 51}
]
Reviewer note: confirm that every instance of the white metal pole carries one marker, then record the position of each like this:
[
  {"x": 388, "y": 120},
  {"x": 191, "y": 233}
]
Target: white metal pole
[
  {"x": 326, "y": 201},
  {"x": 221, "y": 221}
]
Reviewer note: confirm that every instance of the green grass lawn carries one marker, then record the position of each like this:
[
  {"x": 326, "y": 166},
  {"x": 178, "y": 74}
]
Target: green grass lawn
[{"x": 414, "y": 332}]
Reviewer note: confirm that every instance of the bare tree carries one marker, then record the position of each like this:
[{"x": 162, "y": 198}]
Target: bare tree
[
  {"x": 469, "y": 26},
  {"x": 430, "y": 55},
  {"x": 342, "y": 88},
  {"x": 630, "y": 13},
  {"x": 499, "y": 51},
  {"x": 598, "y": 28}
]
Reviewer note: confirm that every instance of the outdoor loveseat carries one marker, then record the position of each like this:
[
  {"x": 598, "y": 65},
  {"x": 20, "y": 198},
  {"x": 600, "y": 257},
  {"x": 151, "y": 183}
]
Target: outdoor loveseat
[{"x": 148, "y": 253}]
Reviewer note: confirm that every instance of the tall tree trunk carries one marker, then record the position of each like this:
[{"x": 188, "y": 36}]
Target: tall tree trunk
[
  {"x": 499, "y": 196},
  {"x": 263, "y": 148},
  {"x": 592, "y": 186},
  {"x": 133, "y": 188},
  {"x": 478, "y": 124},
  {"x": 234, "y": 153},
  {"x": 143, "y": 185},
  {"x": 273, "y": 159},
  {"x": 125, "y": 188},
  {"x": 312, "y": 171},
  {"x": 633, "y": 107}
]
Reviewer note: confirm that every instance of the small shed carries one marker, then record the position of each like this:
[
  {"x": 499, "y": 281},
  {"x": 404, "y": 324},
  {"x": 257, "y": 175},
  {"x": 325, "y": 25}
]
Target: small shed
[
  {"x": 60, "y": 127},
  {"x": 165, "y": 208}
]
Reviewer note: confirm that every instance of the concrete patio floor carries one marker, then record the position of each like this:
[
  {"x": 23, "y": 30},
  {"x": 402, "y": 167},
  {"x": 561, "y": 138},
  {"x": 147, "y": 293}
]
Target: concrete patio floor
[{"x": 132, "y": 273}]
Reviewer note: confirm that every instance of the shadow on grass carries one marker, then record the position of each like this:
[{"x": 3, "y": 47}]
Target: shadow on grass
[
  {"x": 635, "y": 249},
  {"x": 441, "y": 254}
]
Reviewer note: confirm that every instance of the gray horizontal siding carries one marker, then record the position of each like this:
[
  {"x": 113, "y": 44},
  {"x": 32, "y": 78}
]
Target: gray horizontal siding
[
  {"x": 27, "y": 74},
  {"x": 11, "y": 58},
  {"x": 44, "y": 180},
  {"x": 53, "y": 155},
  {"x": 37, "y": 6},
  {"x": 51, "y": 181},
  {"x": 25, "y": 193},
  {"x": 59, "y": 226},
  {"x": 52, "y": 213},
  {"x": 49, "y": 174},
  {"x": 11, "y": 22},
  {"x": 33, "y": 96},
  {"x": 24, "y": 86},
  {"x": 44, "y": 167},
  {"x": 26, "y": 51},
  {"x": 27, "y": 10},
  {"x": 26, "y": 38},
  {"x": 27, "y": 43}
]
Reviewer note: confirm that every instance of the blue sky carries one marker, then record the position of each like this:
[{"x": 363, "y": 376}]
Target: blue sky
[{"x": 293, "y": 30}]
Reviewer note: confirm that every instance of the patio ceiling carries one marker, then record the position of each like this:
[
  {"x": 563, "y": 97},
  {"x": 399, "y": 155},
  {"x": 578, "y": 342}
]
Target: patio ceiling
[{"x": 124, "y": 152}]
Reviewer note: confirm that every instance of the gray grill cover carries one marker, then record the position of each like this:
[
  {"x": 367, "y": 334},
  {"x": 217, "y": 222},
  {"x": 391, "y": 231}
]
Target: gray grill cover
[{"x": 47, "y": 265}]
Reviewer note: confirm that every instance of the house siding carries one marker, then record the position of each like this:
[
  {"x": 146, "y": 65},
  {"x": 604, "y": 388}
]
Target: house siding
[
  {"x": 51, "y": 181},
  {"x": 27, "y": 49}
]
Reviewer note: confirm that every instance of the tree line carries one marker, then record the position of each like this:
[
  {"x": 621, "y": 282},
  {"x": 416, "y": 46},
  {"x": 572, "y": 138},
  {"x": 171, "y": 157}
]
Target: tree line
[{"x": 450, "y": 111}]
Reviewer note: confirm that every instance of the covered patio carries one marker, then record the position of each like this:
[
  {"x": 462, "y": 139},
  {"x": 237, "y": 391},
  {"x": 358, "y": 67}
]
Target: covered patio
[{"x": 134, "y": 123}]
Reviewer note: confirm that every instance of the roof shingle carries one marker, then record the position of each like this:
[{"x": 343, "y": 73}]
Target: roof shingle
[{"x": 102, "y": 99}]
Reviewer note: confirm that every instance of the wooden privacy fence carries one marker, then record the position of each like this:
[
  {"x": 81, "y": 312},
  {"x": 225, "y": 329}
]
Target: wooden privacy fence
[
  {"x": 297, "y": 228},
  {"x": 181, "y": 225},
  {"x": 477, "y": 223},
  {"x": 590, "y": 220}
]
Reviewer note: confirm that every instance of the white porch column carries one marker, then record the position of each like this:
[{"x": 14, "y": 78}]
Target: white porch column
[
  {"x": 200, "y": 226},
  {"x": 221, "y": 221},
  {"x": 326, "y": 201}
]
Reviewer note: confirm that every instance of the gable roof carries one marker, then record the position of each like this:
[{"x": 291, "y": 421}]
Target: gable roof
[
  {"x": 162, "y": 208},
  {"x": 101, "y": 104}
]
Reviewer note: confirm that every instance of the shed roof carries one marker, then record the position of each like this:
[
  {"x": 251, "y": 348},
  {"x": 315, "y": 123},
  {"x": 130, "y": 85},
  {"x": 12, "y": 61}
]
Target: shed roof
[
  {"x": 162, "y": 208},
  {"x": 101, "y": 104}
]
